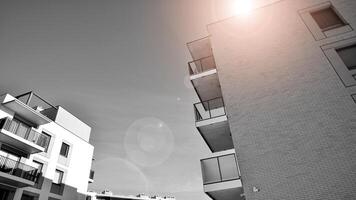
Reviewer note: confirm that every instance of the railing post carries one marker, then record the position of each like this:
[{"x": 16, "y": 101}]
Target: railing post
[
  {"x": 217, "y": 158},
  {"x": 201, "y": 66},
  {"x": 29, "y": 98},
  {"x": 209, "y": 109}
]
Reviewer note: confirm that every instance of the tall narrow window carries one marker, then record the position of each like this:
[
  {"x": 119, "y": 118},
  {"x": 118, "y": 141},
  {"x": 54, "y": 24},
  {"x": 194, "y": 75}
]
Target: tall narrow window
[
  {"x": 64, "y": 150},
  {"x": 57, "y": 187},
  {"x": 44, "y": 140},
  {"x": 327, "y": 19},
  {"x": 348, "y": 56},
  {"x": 40, "y": 179},
  {"x": 58, "y": 177}
]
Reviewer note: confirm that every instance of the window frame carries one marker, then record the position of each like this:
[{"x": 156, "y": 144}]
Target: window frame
[
  {"x": 312, "y": 25},
  {"x": 66, "y": 153},
  {"x": 346, "y": 75},
  {"x": 352, "y": 46},
  {"x": 332, "y": 9},
  {"x": 60, "y": 179}
]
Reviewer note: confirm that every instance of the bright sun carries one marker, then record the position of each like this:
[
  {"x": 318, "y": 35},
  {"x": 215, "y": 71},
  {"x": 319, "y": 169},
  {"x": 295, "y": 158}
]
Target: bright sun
[{"x": 242, "y": 7}]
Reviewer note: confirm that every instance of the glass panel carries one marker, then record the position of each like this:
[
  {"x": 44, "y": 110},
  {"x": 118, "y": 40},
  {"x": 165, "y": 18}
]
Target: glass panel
[
  {"x": 13, "y": 126},
  {"x": 217, "y": 107},
  {"x": 228, "y": 167},
  {"x": 22, "y": 130},
  {"x": 33, "y": 136},
  {"x": 64, "y": 149},
  {"x": 210, "y": 170},
  {"x": 348, "y": 56},
  {"x": 327, "y": 18},
  {"x": 43, "y": 141}
]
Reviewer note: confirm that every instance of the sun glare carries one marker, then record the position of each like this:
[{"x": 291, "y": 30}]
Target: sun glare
[{"x": 242, "y": 7}]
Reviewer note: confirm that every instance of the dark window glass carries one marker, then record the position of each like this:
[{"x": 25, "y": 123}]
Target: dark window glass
[
  {"x": 327, "y": 19},
  {"x": 64, "y": 150},
  {"x": 40, "y": 178},
  {"x": 348, "y": 56}
]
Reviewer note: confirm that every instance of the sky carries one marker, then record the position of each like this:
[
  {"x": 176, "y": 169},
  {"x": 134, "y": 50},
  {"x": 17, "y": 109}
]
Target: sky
[{"x": 121, "y": 67}]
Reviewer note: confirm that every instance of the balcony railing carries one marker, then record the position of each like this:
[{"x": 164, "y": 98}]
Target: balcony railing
[
  {"x": 209, "y": 109},
  {"x": 35, "y": 101},
  {"x": 219, "y": 169},
  {"x": 24, "y": 131},
  {"x": 91, "y": 174},
  {"x": 16, "y": 168},
  {"x": 201, "y": 65}
]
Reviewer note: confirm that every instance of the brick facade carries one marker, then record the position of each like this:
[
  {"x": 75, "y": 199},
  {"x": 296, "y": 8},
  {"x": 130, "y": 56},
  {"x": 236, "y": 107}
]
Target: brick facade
[{"x": 292, "y": 118}]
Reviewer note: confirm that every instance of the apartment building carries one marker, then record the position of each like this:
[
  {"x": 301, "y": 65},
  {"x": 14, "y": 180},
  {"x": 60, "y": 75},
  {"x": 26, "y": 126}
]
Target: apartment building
[
  {"x": 44, "y": 151},
  {"x": 277, "y": 90}
]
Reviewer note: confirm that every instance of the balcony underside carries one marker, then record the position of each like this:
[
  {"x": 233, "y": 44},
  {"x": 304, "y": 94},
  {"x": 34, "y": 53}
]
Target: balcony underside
[
  {"x": 26, "y": 112},
  {"x": 217, "y": 135},
  {"x": 228, "y": 190},
  {"x": 18, "y": 142},
  {"x": 14, "y": 181},
  {"x": 207, "y": 87}
]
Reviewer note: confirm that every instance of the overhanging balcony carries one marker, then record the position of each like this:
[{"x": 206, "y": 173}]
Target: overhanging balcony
[
  {"x": 30, "y": 107},
  {"x": 204, "y": 78},
  {"x": 221, "y": 177},
  {"x": 200, "y": 48},
  {"x": 202, "y": 69},
  {"x": 16, "y": 173},
  {"x": 211, "y": 121},
  {"x": 22, "y": 137}
]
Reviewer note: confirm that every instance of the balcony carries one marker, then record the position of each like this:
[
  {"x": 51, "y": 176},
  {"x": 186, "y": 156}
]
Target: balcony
[
  {"x": 202, "y": 70},
  {"x": 16, "y": 173},
  {"x": 221, "y": 177},
  {"x": 91, "y": 176},
  {"x": 211, "y": 122},
  {"x": 22, "y": 137},
  {"x": 200, "y": 48},
  {"x": 30, "y": 107},
  {"x": 204, "y": 78}
]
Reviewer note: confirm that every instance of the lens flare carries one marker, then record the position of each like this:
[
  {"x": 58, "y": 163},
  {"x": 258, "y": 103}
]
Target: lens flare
[
  {"x": 242, "y": 7},
  {"x": 148, "y": 142}
]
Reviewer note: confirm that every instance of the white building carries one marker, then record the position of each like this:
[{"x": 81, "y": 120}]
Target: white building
[{"x": 44, "y": 151}]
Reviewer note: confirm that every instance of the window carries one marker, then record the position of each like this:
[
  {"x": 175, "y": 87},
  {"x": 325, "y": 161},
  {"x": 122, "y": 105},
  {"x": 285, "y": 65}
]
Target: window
[
  {"x": 342, "y": 57},
  {"x": 57, "y": 187},
  {"x": 44, "y": 141},
  {"x": 323, "y": 21},
  {"x": 64, "y": 150},
  {"x": 327, "y": 19},
  {"x": 40, "y": 178},
  {"x": 39, "y": 166},
  {"x": 58, "y": 177},
  {"x": 348, "y": 56}
]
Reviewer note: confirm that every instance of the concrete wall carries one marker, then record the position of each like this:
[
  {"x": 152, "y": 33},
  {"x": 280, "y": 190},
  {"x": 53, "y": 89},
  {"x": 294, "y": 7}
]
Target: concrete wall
[
  {"x": 292, "y": 119},
  {"x": 72, "y": 123}
]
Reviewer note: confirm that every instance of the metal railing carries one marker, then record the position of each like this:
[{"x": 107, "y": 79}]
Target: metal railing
[
  {"x": 219, "y": 169},
  {"x": 201, "y": 65},
  {"x": 19, "y": 169},
  {"x": 24, "y": 131},
  {"x": 209, "y": 109},
  {"x": 34, "y": 101},
  {"x": 91, "y": 174}
]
